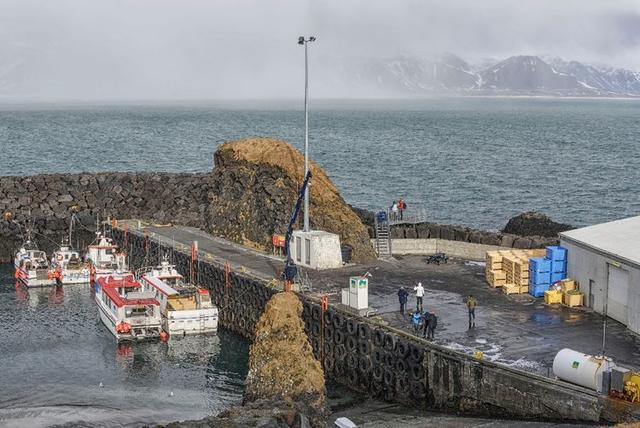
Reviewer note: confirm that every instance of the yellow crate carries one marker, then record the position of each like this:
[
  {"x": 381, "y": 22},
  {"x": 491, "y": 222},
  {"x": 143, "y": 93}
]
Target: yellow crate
[
  {"x": 568, "y": 284},
  {"x": 571, "y": 300},
  {"x": 552, "y": 296}
]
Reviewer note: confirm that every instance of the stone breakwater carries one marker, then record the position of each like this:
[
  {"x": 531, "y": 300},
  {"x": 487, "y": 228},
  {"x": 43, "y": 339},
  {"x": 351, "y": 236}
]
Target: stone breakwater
[{"x": 48, "y": 201}]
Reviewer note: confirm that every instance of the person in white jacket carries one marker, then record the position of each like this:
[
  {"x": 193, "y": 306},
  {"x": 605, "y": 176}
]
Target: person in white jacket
[{"x": 419, "y": 289}]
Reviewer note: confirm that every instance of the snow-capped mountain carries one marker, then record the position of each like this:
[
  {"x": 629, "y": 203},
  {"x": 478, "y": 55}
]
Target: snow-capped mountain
[{"x": 516, "y": 75}]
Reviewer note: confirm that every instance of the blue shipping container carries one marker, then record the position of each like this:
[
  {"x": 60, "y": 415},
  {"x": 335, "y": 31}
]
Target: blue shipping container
[
  {"x": 557, "y": 276},
  {"x": 539, "y": 277},
  {"x": 558, "y": 266},
  {"x": 538, "y": 290},
  {"x": 539, "y": 264},
  {"x": 556, "y": 252}
]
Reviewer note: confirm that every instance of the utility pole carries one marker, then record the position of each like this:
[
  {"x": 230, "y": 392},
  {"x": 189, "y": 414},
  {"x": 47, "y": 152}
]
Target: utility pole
[{"x": 305, "y": 41}]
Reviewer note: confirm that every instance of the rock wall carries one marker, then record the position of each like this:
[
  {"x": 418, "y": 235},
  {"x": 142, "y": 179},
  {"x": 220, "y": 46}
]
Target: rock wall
[
  {"x": 254, "y": 187},
  {"x": 532, "y": 223},
  {"x": 47, "y": 202}
]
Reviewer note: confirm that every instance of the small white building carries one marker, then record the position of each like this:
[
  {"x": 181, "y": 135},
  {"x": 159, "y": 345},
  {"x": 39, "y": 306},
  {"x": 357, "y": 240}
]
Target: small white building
[
  {"x": 605, "y": 260},
  {"x": 316, "y": 249}
]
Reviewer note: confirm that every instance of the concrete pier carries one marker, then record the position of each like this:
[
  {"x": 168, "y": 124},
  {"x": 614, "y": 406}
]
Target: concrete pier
[{"x": 366, "y": 354}]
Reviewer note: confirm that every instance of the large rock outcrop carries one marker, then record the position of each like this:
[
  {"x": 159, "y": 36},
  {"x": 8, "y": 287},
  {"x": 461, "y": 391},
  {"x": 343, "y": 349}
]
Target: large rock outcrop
[
  {"x": 533, "y": 223},
  {"x": 254, "y": 186}
]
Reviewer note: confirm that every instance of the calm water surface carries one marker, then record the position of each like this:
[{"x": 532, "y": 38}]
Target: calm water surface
[
  {"x": 55, "y": 352},
  {"x": 473, "y": 161}
]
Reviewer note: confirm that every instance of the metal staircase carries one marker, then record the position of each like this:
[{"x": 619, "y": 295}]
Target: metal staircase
[{"x": 383, "y": 238}]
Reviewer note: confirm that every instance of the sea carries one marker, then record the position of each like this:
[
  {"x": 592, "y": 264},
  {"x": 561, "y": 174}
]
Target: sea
[{"x": 469, "y": 161}]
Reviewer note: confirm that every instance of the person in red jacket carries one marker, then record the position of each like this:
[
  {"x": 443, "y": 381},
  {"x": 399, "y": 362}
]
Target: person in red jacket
[{"x": 401, "y": 207}]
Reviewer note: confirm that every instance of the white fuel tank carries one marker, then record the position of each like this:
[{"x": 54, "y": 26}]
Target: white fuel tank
[{"x": 581, "y": 369}]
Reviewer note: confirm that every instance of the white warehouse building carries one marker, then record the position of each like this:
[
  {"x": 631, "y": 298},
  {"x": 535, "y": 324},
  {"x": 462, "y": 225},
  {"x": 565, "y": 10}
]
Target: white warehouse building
[{"x": 605, "y": 260}]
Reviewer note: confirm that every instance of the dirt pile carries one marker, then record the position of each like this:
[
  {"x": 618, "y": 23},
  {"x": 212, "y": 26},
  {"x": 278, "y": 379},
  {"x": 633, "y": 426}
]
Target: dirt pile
[
  {"x": 533, "y": 223},
  {"x": 254, "y": 187},
  {"x": 282, "y": 368}
]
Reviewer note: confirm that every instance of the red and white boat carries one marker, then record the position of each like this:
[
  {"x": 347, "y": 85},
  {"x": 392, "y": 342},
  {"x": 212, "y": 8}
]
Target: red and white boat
[
  {"x": 32, "y": 267},
  {"x": 104, "y": 258},
  {"x": 129, "y": 312},
  {"x": 185, "y": 308}
]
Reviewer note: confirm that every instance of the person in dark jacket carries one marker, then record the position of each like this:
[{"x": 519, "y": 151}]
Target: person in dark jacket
[
  {"x": 425, "y": 323},
  {"x": 402, "y": 298},
  {"x": 433, "y": 323}
]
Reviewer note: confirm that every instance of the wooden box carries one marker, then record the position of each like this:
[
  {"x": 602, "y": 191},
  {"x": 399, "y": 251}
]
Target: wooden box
[{"x": 571, "y": 299}]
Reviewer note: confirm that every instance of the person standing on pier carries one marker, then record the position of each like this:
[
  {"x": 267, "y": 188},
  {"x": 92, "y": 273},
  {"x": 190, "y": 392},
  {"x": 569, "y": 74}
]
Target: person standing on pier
[
  {"x": 402, "y": 298},
  {"x": 401, "y": 207},
  {"x": 471, "y": 306},
  {"x": 433, "y": 323},
  {"x": 419, "y": 289},
  {"x": 394, "y": 211}
]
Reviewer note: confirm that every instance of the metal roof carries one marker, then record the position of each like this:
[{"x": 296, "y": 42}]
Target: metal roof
[{"x": 619, "y": 239}]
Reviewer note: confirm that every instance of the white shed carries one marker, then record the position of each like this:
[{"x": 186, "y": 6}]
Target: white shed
[{"x": 605, "y": 259}]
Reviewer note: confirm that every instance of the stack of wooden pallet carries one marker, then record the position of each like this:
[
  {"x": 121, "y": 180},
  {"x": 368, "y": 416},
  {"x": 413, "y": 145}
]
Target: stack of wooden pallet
[
  {"x": 509, "y": 269},
  {"x": 496, "y": 277}
]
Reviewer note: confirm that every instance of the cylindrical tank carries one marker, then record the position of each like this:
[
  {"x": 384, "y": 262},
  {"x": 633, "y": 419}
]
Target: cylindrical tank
[{"x": 581, "y": 369}]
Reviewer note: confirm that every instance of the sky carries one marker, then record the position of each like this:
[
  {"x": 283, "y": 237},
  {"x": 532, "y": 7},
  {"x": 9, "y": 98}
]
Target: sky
[{"x": 147, "y": 49}]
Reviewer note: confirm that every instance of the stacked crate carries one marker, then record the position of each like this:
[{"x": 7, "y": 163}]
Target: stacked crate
[
  {"x": 509, "y": 269},
  {"x": 547, "y": 270},
  {"x": 494, "y": 273}
]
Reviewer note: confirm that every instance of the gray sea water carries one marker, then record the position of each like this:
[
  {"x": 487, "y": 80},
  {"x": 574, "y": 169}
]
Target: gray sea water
[
  {"x": 55, "y": 354},
  {"x": 472, "y": 161}
]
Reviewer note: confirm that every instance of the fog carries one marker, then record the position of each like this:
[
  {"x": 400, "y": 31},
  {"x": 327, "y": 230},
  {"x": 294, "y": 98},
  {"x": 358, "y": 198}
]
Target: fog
[{"x": 197, "y": 49}]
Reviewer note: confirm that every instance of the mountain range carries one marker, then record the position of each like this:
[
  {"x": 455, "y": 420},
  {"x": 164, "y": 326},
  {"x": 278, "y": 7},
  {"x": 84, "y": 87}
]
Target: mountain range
[{"x": 516, "y": 75}]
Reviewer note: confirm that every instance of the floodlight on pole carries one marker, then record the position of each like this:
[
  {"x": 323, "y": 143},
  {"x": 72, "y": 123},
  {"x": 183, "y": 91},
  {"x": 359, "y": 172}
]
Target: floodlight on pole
[{"x": 305, "y": 41}]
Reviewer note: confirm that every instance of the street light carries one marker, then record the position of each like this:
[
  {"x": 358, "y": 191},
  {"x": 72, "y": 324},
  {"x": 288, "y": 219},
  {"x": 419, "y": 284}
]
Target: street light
[{"x": 305, "y": 41}]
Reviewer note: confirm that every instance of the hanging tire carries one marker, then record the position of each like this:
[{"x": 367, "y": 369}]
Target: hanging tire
[
  {"x": 418, "y": 390},
  {"x": 364, "y": 364},
  {"x": 315, "y": 346},
  {"x": 315, "y": 312},
  {"x": 364, "y": 332},
  {"x": 401, "y": 366},
  {"x": 306, "y": 310},
  {"x": 315, "y": 329},
  {"x": 329, "y": 364},
  {"x": 389, "y": 342},
  {"x": 340, "y": 352},
  {"x": 390, "y": 360},
  {"x": 402, "y": 349},
  {"x": 416, "y": 354},
  {"x": 338, "y": 321},
  {"x": 404, "y": 385},
  {"x": 328, "y": 348},
  {"x": 352, "y": 361},
  {"x": 351, "y": 344},
  {"x": 417, "y": 372},
  {"x": 378, "y": 357},
  {"x": 328, "y": 333},
  {"x": 339, "y": 368},
  {"x": 352, "y": 326},
  {"x": 328, "y": 318},
  {"x": 352, "y": 376},
  {"x": 378, "y": 373},
  {"x": 376, "y": 388},
  {"x": 364, "y": 347},
  {"x": 388, "y": 377},
  {"x": 338, "y": 336},
  {"x": 378, "y": 338}
]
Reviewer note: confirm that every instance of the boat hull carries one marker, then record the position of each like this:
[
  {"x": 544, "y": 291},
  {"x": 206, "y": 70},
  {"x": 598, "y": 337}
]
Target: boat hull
[
  {"x": 75, "y": 277},
  {"x": 33, "y": 279},
  {"x": 198, "y": 321},
  {"x": 138, "y": 332}
]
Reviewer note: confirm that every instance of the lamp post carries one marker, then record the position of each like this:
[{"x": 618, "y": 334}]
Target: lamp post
[{"x": 305, "y": 41}]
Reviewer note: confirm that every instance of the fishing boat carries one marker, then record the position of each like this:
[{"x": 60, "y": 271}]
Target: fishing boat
[
  {"x": 185, "y": 308},
  {"x": 128, "y": 312},
  {"x": 32, "y": 267},
  {"x": 74, "y": 270},
  {"x": 105, "y": 260}
]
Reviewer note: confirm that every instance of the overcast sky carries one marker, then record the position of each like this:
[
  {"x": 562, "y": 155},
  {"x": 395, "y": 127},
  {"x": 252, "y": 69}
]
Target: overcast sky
[{"x": 87, "y": 49}]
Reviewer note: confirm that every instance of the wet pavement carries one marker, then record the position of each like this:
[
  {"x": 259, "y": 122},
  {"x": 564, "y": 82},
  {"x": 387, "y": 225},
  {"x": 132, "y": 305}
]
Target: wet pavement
[{"x": 515, "y": 330}]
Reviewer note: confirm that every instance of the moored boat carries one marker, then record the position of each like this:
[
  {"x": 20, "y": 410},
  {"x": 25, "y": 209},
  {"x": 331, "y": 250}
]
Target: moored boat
[
  {"x": 73, "y": 269},
  {"x": 128, "y": 312},
  {"x": 185, "y": 308},
  {"x": 104, "y": 259},
  {"x": 32, "y": 267}
]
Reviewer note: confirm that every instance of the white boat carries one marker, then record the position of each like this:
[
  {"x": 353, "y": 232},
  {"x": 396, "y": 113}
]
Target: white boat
[
  {"x": 105, "y": 260},
  {"x": 74, "y": 271},
  {"x": 32, "y": 267},
  {"x": 185, "y": 308},
  {"x": 127, "y": 311}
]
